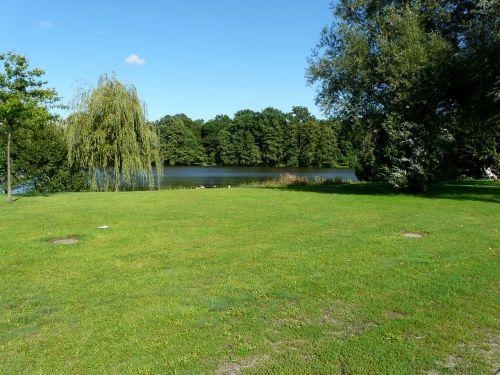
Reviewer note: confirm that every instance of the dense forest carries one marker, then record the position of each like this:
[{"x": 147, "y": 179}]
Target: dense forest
[{"x": 267, "y": 138}]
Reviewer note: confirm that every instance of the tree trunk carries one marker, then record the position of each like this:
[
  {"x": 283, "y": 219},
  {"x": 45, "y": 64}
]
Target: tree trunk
[
  {"x": 9, "y": 179},
  {"x": 117, "y": 180}
]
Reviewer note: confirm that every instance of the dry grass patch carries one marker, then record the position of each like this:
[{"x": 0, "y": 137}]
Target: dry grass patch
[
  {"x": 65, "y": 241},
  {"x": 234, "y": 368}
]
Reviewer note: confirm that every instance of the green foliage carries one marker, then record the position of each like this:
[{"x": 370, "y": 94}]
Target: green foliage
[
  {"x": 316, "y": 141},
  {"x": 413, "y": 155},
  {"x": 273, "y": 124},
  {"x": 215, "y": 139},
  {"x": 22, "y": 91},
  {"x": 308, "y": 143},
  {"x": 180, "y": 140},
  {"x": 386, "y": 68},
  {"x": 246, "y": 133},
  {"x": 476, "y": 124},
  {"x": 40, "y": 158},
  {"x": 227, "y": 149},
  {"x": 24, "y": 100},
  {"x": 268, "y": 138},
  {"x": 291, "y": 144},
  {"x": 109, "y": 140}
]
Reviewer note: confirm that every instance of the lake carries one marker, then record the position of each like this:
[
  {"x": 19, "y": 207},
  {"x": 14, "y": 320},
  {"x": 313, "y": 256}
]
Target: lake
[
  {"x": 224, "y": 176},
  {"x": 234, "y": 176}
]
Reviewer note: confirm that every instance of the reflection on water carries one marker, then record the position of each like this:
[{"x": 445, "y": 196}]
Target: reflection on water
[{"x": 223, "y": 176}]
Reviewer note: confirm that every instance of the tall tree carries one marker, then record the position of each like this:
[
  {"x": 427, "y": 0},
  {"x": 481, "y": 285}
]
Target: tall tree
[
  {"x": 41, "y": 158},
  {"x": 290, "y": 144},
  {"x": 273, "y": 123},
  {"x": 476, "y": 128},
  {"x": 211, "y": 139},
  {"x": 23, "y": 96},
  {"x": 109, "y": 132},
  {"x": 309, "y": 139},
  {"x": 328, "y": 153},
  {"x": 246, "y": 132},
  {"x": 180, "y": 145},
  {"x": 388, "y": 70},
  {"x": 194, "y": 125},
  {"x": 227, "y": 154}
]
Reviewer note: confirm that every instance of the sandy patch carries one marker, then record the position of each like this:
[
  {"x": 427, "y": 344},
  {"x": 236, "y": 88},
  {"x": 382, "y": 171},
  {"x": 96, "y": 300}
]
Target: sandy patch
[{"x": 65, "y": 241}]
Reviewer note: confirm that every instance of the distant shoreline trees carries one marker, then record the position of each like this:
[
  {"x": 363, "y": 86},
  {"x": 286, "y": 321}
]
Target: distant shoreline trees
[{"x": 267, "y": 138}]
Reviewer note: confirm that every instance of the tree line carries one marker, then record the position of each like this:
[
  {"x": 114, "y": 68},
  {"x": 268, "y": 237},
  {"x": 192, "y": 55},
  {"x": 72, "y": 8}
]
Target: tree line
[{"x": 266, "y": 138}]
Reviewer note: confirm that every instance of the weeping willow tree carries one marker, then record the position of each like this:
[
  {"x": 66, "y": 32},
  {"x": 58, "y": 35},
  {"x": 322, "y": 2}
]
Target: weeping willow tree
[{"x": 109, "y": 139}]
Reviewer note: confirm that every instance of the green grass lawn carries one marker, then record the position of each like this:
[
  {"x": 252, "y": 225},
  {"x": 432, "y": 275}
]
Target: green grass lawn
[{"x": 249, "y": 280}]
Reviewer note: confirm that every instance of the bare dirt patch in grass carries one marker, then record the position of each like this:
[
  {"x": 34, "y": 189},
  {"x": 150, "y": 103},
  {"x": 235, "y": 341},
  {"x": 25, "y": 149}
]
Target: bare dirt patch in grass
[
  {"x": 65, "y": 241},
  {"x": 234, "y": 368},
  {"x": 413, "y": 234},
  {"x": 351, "y": 328},
  {"x": 336, "y": 320},
  {"x": 452, "y": 361},
  {"x": 339, "y": 317},
  {"x": 390, "y": 314},
  {"x": 297, "y": 346},
  {"x": 489, "y": 350}
]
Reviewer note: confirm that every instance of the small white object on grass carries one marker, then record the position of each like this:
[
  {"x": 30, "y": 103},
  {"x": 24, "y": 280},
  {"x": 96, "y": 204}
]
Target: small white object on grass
[{"x": 103, "y": 227}]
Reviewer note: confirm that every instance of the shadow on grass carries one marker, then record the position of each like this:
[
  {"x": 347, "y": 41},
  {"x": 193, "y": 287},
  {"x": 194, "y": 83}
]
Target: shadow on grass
[
  {"x": 17, "y": 197},
  {"x": 481, "y": 191},
  {"x": 36, "y": 194}
]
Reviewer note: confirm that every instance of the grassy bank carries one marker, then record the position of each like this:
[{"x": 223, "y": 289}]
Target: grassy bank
[{"x": 299, "y": 280}]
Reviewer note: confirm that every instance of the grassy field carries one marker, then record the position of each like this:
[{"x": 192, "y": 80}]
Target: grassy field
[{"x": 247, "y": 280}]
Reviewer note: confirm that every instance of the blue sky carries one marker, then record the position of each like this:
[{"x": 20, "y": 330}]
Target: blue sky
[{"x": 201, "y": 58}]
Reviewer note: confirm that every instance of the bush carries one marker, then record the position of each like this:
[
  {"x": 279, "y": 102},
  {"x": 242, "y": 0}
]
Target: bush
[{"x": 413, "y": 156}]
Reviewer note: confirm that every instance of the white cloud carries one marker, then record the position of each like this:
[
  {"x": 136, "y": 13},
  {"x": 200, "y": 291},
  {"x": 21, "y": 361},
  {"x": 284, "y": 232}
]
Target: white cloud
[
  {"x": 102, "y": 32},
  {"x": 135, "y": 59},
  {"x": 44, "y": 24}
]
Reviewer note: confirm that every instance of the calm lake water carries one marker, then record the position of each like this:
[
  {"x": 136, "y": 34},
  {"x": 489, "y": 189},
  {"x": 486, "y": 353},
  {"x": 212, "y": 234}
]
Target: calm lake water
[
  {"x": 234, "y": 176},
  {"x": 223, "y": 176}
]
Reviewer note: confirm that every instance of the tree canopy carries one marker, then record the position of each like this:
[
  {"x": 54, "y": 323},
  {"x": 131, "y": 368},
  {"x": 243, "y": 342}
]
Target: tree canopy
[
  {"x": 180, "y": 139},
  {"x": 24, "y": 103},
  {"x": 109, "y": 139},
  {"x": 416, "y": 83},
  {"x": 266, "y": 138}
]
